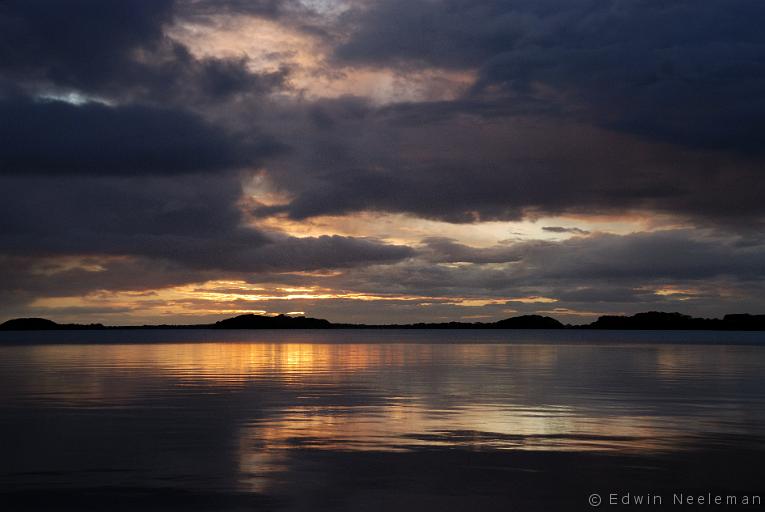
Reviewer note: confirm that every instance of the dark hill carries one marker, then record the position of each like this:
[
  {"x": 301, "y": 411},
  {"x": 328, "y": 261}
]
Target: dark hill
[
  {"x": 528, "y": 322},
  {"x": 650, "y": 320},
  {"x": 43, "y": 324},
  {"x": 29, "y": 324},
  {"x": 271, "y": 322},
  {"x": 675, "y": 321},
  {"x": 744, "y": 322}
]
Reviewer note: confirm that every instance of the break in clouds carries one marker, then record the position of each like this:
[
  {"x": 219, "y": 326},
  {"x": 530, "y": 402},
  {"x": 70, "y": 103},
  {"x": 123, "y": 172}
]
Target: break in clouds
[{"x": 380, "y": 161}]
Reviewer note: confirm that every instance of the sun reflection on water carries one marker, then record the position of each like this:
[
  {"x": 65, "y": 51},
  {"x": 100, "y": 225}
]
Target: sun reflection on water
[{"x": 279, "y": 398}]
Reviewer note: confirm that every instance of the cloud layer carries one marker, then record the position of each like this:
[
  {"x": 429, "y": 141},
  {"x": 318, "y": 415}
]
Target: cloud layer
[{"x": 609, "y": 153}]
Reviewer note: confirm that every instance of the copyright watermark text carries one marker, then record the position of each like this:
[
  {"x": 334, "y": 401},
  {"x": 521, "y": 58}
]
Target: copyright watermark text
[{"x": 675, "y": 498}]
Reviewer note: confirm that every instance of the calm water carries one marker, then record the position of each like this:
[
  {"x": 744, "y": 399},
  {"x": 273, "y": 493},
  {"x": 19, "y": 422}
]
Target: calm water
[{"x": 367, "y": 420}]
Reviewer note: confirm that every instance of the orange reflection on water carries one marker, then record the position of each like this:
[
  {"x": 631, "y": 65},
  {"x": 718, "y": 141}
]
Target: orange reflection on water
[
  {"x": 218, "y": 363},
  {"x": 235, "y": 363},
  {"x": 396, "y": 396}
]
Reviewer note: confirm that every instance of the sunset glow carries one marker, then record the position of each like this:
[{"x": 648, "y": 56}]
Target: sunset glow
[
  {"x": 377, "y": 162},
  {"x": 381, "y": 255}
]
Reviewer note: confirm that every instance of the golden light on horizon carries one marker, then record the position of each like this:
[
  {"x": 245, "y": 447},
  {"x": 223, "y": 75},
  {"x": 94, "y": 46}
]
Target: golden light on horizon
[
  {"x": 676, "y": 293},
  {"x": 233, "y": 297},
  {"x": 403, "y": 229},
  {"x": 533, "y": 299}
]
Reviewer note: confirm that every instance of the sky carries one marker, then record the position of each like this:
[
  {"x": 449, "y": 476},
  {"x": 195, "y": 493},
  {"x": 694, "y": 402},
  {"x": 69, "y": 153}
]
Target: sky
[{"x": 380, "y": 161}]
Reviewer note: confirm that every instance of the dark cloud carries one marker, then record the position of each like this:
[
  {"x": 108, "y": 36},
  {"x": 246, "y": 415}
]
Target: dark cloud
[
  {"x": 572, "y": 268},
  {"x": 265, "y": 8},
  {"x": 26, "y": 278},
  {"x": 451, "y": 33},
  {"x": 671, "y": 254},
  {"x": 120, "y": 51},
  {"x": 194, "y": 222},
  {"x": 687, "y": 255},
  {"x": 78, "y": 42},
  {"x": 55, "y": 137},
  {"x": 324, "y": 252},
  {"x": 688, "y": 72},
  {"x": 80, "y": 211},
  {"x": 461, "y": 167},
  {"x": 186, "y": 220},
  {"x": 153, "y": 263},
  {"x": 448, "y": 250},
  {"x": 694, "y": 271}
]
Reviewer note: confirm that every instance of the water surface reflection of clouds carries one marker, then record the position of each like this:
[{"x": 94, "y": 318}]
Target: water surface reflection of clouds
[
  {"x": 389, "y": 396},
  {"x": 246, "y": 417}
]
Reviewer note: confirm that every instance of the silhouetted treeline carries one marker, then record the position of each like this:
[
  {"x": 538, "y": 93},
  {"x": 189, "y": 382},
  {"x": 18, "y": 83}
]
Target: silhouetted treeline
[
  {"x": 674, "y": 321},
  {"x": 43, "y": 324},
  {"x": 651, "y": 320},
  {"x": 517, "y": 322},
  {"x": 271, "y": 322}
]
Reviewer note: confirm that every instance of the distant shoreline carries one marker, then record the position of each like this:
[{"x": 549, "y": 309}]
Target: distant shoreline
[{"x": 641, "y": 321}]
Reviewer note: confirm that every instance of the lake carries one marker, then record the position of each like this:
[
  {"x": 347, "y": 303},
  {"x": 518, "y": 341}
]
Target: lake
[{"x": 377, "y": 419}]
